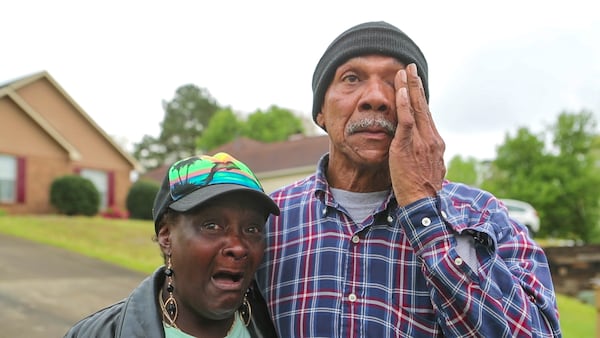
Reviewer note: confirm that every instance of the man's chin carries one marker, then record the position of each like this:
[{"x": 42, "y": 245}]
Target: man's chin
[{"x": 373, "y": 157}]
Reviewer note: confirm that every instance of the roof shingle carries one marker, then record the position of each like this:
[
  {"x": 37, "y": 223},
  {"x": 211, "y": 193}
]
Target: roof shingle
[{"x": 265, "y": 157}]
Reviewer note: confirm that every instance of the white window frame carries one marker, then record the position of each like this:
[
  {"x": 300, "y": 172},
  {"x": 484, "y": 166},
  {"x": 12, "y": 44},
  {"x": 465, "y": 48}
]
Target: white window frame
[
  {"x": 8, "y": 178},
  {"x": 100, "y": 180}
]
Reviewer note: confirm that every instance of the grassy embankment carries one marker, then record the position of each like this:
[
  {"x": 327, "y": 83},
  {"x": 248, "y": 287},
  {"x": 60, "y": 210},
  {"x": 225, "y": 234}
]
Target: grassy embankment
[{"x": 129, "y": 243}]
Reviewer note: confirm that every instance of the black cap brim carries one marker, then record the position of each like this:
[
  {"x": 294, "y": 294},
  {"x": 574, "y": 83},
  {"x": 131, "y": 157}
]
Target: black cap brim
[{"x": 201, "y": 196}]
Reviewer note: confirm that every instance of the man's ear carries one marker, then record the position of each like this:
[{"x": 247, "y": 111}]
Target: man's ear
[
  {"x": 164, "y": 238},
  {"x": 320, "y": 120}
]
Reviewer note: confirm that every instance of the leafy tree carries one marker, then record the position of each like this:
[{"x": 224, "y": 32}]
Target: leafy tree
[
  {"x": 150, "y": 153},
  {"x": 519, "y": 161},
  {"x": 560, "y": 180},
  {"x": 276, "y": 124},
  {"x": 223, "y": 127},
  {"x": 186, "y": 118},
  {"x": 463, "y": 170},
  {"x": 579, "y": 179}
]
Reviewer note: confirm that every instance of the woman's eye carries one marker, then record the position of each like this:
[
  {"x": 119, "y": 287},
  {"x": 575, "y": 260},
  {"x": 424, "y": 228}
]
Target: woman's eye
[
  {"x": 254, "y": 229},
  {"x": 211, "y": 226}
]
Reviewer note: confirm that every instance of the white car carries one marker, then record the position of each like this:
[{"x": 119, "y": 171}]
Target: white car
[{"x": 523, "y": 213}]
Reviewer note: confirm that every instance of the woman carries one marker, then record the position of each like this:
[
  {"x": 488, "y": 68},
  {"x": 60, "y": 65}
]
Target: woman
[{"x": 209, "y": 217}]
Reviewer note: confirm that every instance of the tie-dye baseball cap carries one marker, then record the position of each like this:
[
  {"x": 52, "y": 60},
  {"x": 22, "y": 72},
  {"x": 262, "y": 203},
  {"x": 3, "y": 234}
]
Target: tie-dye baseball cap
[{"x": 193, "y": 181}]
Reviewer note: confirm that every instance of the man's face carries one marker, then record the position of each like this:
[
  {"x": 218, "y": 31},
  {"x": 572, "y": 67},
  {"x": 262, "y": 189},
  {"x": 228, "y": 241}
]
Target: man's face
[{"x": 359, "y": 109}]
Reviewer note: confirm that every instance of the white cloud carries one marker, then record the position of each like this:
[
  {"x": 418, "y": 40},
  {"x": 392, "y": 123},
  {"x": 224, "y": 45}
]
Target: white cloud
[{"x": 493, "y": 67}]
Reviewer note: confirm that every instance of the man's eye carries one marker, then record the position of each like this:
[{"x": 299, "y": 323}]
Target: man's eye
[{"x": 351, "y": 78}]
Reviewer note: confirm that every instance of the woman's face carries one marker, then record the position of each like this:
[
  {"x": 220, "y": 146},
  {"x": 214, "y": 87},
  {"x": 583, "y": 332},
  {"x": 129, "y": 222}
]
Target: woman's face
[{"x": 215, "y": 251}]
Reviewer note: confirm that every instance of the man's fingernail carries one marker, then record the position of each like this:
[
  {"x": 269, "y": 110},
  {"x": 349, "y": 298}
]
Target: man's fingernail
[{"x": 403, "y": 75}]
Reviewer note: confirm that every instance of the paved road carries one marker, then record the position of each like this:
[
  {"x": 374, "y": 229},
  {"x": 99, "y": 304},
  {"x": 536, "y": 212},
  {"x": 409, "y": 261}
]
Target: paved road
[{"x": 45, "y": 290}]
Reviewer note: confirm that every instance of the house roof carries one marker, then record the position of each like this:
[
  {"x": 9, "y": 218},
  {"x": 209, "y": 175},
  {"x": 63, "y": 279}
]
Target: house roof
[
  {"x": 268, "y": 159},
  {"x": 10, "y": 89}
]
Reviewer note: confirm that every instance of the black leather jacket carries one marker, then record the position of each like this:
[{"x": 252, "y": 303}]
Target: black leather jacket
[{"x": 138, "y": 315}]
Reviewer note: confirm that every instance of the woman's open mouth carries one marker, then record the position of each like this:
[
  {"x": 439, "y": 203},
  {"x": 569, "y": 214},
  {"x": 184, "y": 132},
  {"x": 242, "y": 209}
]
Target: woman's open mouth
[{"x": 227, "y": 280}]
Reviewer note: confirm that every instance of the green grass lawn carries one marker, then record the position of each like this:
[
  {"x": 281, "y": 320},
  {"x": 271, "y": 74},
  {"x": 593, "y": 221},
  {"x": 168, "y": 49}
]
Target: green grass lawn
[
  {"x": 129, "y": 243},
  {"x": 577, "y": 319}
]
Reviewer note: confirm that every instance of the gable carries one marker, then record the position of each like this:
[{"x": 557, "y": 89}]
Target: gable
[
  {"x": 20, "y": 134},
  {"x": 61, "y": 117}
]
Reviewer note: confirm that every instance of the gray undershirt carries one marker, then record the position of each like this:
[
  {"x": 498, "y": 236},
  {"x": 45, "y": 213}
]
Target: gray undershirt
[{"x": 361, "y": 205}]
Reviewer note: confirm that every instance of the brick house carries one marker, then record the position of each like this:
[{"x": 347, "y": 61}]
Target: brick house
[
  {"x": 45, "y": 134},
  {"x": 275, "y": 164}
]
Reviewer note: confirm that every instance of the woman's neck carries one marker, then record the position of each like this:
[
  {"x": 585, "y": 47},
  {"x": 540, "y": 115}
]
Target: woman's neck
[{"x": 195, "y": 325}]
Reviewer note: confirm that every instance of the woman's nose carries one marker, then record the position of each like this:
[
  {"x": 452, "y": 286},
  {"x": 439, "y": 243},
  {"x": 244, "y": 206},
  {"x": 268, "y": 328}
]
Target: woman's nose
[{"x": 235, "y": 247}]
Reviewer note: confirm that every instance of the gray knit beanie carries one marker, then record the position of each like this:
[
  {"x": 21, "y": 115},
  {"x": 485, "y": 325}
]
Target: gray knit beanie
[{"x": 366, "y": 38}]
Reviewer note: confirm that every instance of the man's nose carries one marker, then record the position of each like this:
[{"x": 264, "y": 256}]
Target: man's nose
[{"x": 378, "y": 96}]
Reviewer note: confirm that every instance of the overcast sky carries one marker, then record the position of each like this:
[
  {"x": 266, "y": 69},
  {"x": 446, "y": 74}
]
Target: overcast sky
[{"x": 492, "y": 67}]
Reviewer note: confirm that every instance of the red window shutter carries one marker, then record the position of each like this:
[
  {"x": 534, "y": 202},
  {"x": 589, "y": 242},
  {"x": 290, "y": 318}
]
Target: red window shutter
[
  {"x": 111, "y": 188},
  {"x": 20, "y": 180}
]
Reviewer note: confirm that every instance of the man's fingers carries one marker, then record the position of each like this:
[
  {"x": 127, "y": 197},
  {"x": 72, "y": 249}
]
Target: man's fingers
[
  {"x": 423, "y": 119},
  {"x": 416, "y": 152},
  {"x": 418, "y": 101},
  {"x": 422, "y": 99},
  {"x": 404, "y": 112}
]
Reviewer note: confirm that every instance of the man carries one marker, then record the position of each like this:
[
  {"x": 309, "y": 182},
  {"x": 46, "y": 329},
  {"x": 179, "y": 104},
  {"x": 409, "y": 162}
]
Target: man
[{"x": 376, "y": 243}]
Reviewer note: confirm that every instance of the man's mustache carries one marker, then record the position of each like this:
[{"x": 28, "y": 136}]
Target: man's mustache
[{"x": 365, "y": 123}]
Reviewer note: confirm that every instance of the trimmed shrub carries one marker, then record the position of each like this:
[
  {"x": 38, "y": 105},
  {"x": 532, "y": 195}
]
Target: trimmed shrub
[
  {"x": 75, "y": 195},
  {"x": 141, "y": 198}
]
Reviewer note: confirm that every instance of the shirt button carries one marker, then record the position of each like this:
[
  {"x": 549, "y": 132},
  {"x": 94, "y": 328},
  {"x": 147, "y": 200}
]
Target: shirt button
[
  {"x": 426, "y": 221},
  {"x": 458, "y": 261},
  {"x": 355, "y": 239},
  {"x": 352, "y": 297},
  {"x": 390, "y": 219},
  {"x": 444, "y": 215},
  {"x": 324, "y": 212}
]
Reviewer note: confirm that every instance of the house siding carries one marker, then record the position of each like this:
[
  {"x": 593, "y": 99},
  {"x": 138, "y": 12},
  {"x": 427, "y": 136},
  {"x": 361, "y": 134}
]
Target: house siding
[
  {"x": 96, "y": 152},
  {"x": 270, "y": 184},
  {"x": 80, "y": 143},
  {"x": 43, "y": 158},
  {"x": 40, "y": 173},
  {"x": 19, "y": 135}
]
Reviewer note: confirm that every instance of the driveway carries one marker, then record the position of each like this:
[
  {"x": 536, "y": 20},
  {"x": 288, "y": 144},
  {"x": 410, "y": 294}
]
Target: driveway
[{"x": 45, "y": 290}]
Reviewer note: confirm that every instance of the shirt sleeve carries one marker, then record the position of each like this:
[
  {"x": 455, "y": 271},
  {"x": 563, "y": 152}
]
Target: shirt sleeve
[{"x": 511, "y": 292}]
